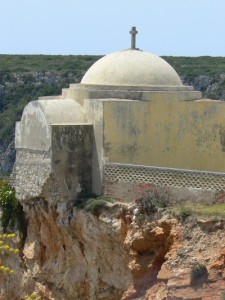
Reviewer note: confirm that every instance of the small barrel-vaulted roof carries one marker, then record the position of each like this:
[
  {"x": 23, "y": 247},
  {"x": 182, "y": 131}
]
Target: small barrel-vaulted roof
[{"x": 34, "y": 129}]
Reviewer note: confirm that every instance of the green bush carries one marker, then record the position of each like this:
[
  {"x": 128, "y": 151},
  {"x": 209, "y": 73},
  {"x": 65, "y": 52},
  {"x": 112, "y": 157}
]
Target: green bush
[
  {"x": 198, "y": 272},
  {"x": 223, "y": 296},
  {"x": 95, "y": 206},
  {"x": 7, "y": 200},
  {"x": 93, "y": 203},
  {"x": 12, "y": 212}
]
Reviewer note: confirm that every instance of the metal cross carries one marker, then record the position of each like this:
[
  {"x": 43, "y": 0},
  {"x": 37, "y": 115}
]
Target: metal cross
[{"x": 133, "y": 33}]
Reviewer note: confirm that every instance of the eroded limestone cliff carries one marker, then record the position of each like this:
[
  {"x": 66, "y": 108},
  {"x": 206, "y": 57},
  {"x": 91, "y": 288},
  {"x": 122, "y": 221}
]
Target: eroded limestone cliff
[{"x": 71, "y": 254}]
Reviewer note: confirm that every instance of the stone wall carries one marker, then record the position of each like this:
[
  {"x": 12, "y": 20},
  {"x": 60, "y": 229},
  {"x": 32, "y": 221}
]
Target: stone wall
[
  {"x": 32, "y": 169},
  {"x": 130, "y": 192},
  {"x": 125, "y": 183},
  {"x": 60, "y": 174}
]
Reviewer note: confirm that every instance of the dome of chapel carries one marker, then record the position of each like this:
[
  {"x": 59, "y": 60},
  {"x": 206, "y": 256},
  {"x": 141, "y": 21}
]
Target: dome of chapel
[{"x": 131, "y": 67}]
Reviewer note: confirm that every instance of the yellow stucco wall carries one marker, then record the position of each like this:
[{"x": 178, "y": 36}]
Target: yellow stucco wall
[{"x": 161, "y": 132}]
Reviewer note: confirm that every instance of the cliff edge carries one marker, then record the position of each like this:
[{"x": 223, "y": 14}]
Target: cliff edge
[{"x": 71, "y": 253}]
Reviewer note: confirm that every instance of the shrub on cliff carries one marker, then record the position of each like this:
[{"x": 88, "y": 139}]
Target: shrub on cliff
[
  {"x": 198, "y": 273},
  {"x": 12, "y": 212},
  {"x": 152, "y": 197},
  {"x": 93, "y": 204}
]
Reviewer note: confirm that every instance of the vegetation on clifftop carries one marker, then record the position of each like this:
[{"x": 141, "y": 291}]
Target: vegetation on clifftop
[{"x": 93, "y": 203}]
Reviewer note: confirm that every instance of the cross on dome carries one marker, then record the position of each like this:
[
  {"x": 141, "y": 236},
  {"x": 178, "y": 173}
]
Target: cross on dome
[{"x": 133, "y": 33}]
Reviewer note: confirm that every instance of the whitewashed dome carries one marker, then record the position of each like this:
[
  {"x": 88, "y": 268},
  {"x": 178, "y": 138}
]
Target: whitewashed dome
[{"x": 131, "y": 67}]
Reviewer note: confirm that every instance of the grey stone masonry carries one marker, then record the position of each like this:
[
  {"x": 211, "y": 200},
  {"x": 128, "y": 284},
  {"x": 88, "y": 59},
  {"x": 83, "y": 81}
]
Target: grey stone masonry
[
  {"x": 32, "y": 170},
  {"x": 58, "y": 175}
]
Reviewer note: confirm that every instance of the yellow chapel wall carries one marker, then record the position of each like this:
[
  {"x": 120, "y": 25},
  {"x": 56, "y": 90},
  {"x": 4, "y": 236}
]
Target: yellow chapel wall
[{"x": 165, "y": 133}]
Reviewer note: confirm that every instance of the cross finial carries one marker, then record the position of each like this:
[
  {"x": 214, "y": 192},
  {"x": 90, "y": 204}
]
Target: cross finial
[{"x": 133, "y": 33}]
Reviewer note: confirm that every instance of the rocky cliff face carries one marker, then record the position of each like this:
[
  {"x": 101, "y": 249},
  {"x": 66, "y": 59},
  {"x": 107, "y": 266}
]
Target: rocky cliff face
[{"x": 71, "y": 254}]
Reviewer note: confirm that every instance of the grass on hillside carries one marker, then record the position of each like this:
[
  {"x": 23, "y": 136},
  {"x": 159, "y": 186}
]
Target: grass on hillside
[
  {"x": 37, "y": 63},
  {"x": 189, "y": 67},
  {"x": 207, "y": 211}
]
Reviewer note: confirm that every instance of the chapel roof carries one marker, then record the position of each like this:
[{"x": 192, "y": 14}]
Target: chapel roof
[{"x": 131, "y": 67}]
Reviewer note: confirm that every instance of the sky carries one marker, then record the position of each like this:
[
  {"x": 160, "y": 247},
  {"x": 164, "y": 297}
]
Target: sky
[{"x": 165, "y": 27}]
